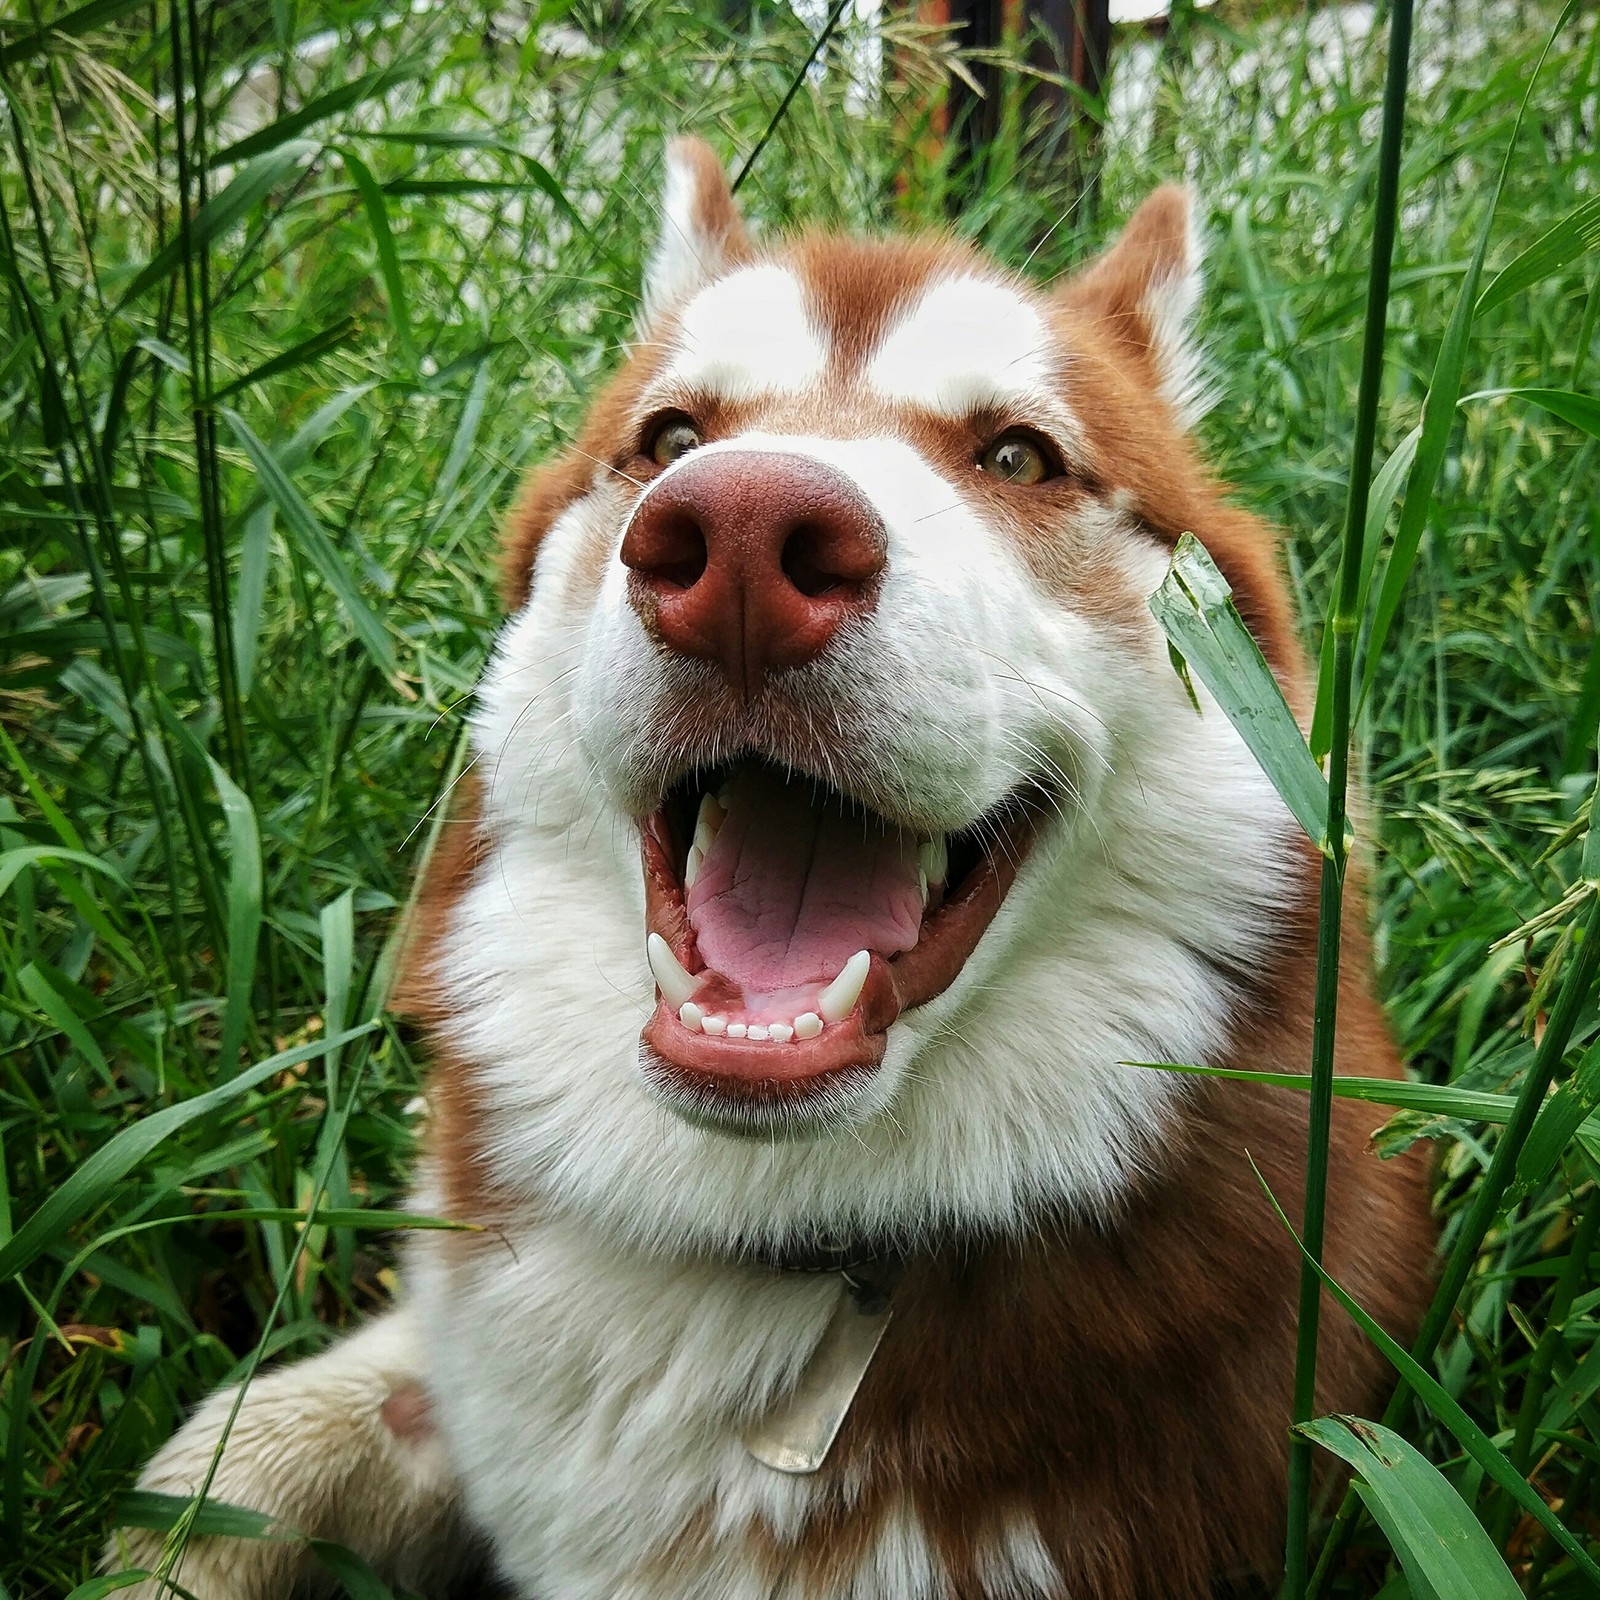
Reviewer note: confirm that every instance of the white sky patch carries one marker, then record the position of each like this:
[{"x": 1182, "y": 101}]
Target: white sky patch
[
  {"x": 967, "y": 343},
  {"x": 748, "y": 335}
]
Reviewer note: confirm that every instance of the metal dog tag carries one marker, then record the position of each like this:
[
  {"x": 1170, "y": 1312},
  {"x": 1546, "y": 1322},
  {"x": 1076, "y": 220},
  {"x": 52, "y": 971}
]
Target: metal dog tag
[{"x": 798, "y": 1432}]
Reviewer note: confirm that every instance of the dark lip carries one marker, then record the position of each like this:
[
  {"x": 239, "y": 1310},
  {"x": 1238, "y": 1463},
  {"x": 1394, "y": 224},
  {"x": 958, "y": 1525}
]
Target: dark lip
[{"x": 739, "y": 1081}]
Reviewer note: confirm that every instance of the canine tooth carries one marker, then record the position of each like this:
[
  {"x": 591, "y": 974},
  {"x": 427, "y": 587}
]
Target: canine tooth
[
  {"x": 838, "y": 1000},
  {"x": 756, "y": 1030},
  {"x": 781, "y": 1031},
  {"x": 807, "y": 1025},
  {"x": 691, "y": 867},
  {"x": 737, "y": 1030},
  {"x": 691, "y": 1016},
  {"x": 922, "y": 885},
  {"x": 674, "y": 983},
  {"x": 933, "y": 856},
  {"x": 714, "y": 1025}
]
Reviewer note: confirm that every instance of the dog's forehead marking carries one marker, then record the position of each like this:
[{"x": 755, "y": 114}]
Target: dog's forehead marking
[
  {"x": 965, "y": 343},
  {"x": 748, "y": 336}
]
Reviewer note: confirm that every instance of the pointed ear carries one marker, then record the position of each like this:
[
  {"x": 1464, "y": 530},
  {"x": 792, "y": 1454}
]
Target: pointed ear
[
  {"x": 702, "y": 233},
  {"x": 1145, "y": 288}
]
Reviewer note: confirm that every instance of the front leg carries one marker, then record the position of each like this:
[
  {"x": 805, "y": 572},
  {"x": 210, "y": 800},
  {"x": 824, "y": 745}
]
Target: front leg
[{"x": 341, "y": 1447}]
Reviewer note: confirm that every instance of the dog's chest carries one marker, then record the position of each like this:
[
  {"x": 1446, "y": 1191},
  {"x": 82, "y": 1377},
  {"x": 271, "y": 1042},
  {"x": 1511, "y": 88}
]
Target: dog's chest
[{"x": 596, "y": 1405}]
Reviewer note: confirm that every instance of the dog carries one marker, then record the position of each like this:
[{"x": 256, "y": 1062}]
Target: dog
[{"x": 839, "y": 837}]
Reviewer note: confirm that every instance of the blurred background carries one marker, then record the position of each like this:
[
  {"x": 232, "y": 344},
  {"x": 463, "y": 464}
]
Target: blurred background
[{"x": 295, "y": 292}]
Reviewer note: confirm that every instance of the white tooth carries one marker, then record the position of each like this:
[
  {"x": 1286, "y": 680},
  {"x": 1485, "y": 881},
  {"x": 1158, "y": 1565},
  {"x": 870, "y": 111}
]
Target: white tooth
[
  {"x": 838, "y": 1000},
  {"x": 736, "y": 1030},
  {"x": 934, "y": 858},
  {"x": 691, "y": 1016},
  {"x": 714, "y": 1025},
  {"x": 707, "y": 822},
  {"x": 725, "y": 796},
  {"x": 807, "y": 1025},
  {"x": 674, "y": 983},
  {"x": 781, "y": 1031},
  {"x": 922, "y": 885},
  {"x": 756, "y": 1030},
  {"x": 691, "y": 867}
]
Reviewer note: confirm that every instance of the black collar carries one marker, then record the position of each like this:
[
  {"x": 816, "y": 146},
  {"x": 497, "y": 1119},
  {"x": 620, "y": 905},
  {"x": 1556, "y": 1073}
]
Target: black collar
[{"x": 870, "y": 1272}]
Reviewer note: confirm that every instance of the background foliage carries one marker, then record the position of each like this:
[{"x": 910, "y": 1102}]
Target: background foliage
[{"x": 293, "y": 294}]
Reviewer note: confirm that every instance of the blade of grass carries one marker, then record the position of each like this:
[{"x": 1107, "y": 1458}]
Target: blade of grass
[
  {"x": 1441, "y": 1545},
  {"x": 1343, "y": 622},
  {"x": 303, "y": 524},
  {"x": 244, "y": 914},
  {"x": 1194, "y": 606},
  {"x": 1439, "y": 408},
  {"x": 1478, "y": 1445},
  {"x": 1577, "y": 986},
  {"x": 92, "y": 1179},
  {"x": 250, "y": 185}
]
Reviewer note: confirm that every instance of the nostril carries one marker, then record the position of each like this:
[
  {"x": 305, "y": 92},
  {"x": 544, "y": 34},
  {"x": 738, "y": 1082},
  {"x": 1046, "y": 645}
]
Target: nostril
[
  {"x": 806, "y": 565},
  {"x": 677, "y": 558}
]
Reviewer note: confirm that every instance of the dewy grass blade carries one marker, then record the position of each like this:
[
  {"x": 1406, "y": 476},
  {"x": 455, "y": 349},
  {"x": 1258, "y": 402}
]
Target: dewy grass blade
[
  {"x": 1194, "y": 606},
  {"x": 1343, "y": 622},
  {"x": 1441, "y": 1545}
]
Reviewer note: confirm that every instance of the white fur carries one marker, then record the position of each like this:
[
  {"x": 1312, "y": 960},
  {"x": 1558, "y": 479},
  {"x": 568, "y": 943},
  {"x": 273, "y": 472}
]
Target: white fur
[
  {"x": 964, "y": 344},
  {"x": 747, "y": 336},
  {"x": 310, "y": 1448},
  {"x": 685, "y": 256},
  {"x": 1169, "y": 306}
]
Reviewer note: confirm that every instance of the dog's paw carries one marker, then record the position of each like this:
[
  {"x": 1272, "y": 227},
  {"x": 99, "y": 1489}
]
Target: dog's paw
[{"x": 342, "y": 1448}]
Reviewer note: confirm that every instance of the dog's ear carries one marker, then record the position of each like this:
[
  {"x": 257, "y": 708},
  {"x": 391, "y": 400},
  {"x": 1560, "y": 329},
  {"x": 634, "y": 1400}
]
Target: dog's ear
[
  {"x": 702, "y": 233},
  {"x": 1145, "y": 289}
]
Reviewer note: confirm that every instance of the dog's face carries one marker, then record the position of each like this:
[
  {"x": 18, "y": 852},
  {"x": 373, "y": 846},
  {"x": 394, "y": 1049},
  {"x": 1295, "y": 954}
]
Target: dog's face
[{"x": 839, "y": 787}]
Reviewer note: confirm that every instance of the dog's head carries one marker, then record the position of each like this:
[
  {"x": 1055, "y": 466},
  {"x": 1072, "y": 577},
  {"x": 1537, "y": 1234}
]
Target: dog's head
[{"x": 837, "y": 781}]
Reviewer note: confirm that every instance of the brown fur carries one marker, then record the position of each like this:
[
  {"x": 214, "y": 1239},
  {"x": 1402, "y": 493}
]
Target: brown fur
[{"x": 1124, "y": 1383}]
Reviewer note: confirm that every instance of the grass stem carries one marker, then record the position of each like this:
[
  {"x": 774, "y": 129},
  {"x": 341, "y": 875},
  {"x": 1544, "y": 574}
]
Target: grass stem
[{"x": 1344, "y": 620}]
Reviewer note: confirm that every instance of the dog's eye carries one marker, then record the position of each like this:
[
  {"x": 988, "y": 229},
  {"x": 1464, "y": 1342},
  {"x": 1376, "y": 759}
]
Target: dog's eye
[
  {"x": 673, "y": 437},
  {"x": 1018, "y": 458}
]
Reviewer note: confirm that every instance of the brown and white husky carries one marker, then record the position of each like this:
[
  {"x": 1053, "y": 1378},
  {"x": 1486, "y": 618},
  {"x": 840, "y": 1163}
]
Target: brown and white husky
[{"x": 838, "y": 828}]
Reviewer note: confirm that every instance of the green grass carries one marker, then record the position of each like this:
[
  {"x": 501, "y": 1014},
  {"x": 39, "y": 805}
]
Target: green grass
[{"x": 301, "y": 429}]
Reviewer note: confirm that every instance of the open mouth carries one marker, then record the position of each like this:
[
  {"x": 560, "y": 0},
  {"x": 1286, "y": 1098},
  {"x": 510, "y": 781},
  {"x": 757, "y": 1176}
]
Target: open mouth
[{"x": 788, "y": 926}]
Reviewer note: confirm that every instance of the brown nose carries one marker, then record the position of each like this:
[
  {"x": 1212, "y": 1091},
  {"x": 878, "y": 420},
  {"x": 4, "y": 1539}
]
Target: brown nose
[{"x": 752, "y": 559}]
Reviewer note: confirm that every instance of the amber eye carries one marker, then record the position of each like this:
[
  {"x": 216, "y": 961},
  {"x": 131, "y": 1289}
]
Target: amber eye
[
  {"x": 673, "y": 437},
  {"x": 1018, "y": 458}
]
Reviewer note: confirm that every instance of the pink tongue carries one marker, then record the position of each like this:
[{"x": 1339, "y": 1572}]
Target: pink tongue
[{"x": 793, "y": 886}]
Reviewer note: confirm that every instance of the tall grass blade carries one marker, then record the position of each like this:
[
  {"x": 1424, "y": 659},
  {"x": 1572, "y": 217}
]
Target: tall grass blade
[
  {"x": 1433, "y": 1394},
  {"x": 94, "y": 1177},
  {"x": 308, "y": 532},
  {"x": 1194, "y": 606},
  {"x": 244, "y": 914},
  {"x": 1574, "y": 236},
  {"x": 1439, "y": 408},
  {"x": 1441, "y": 1544},
  {"x": 1342, "y": 623},
  {"x": 249, "y": 186}
]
